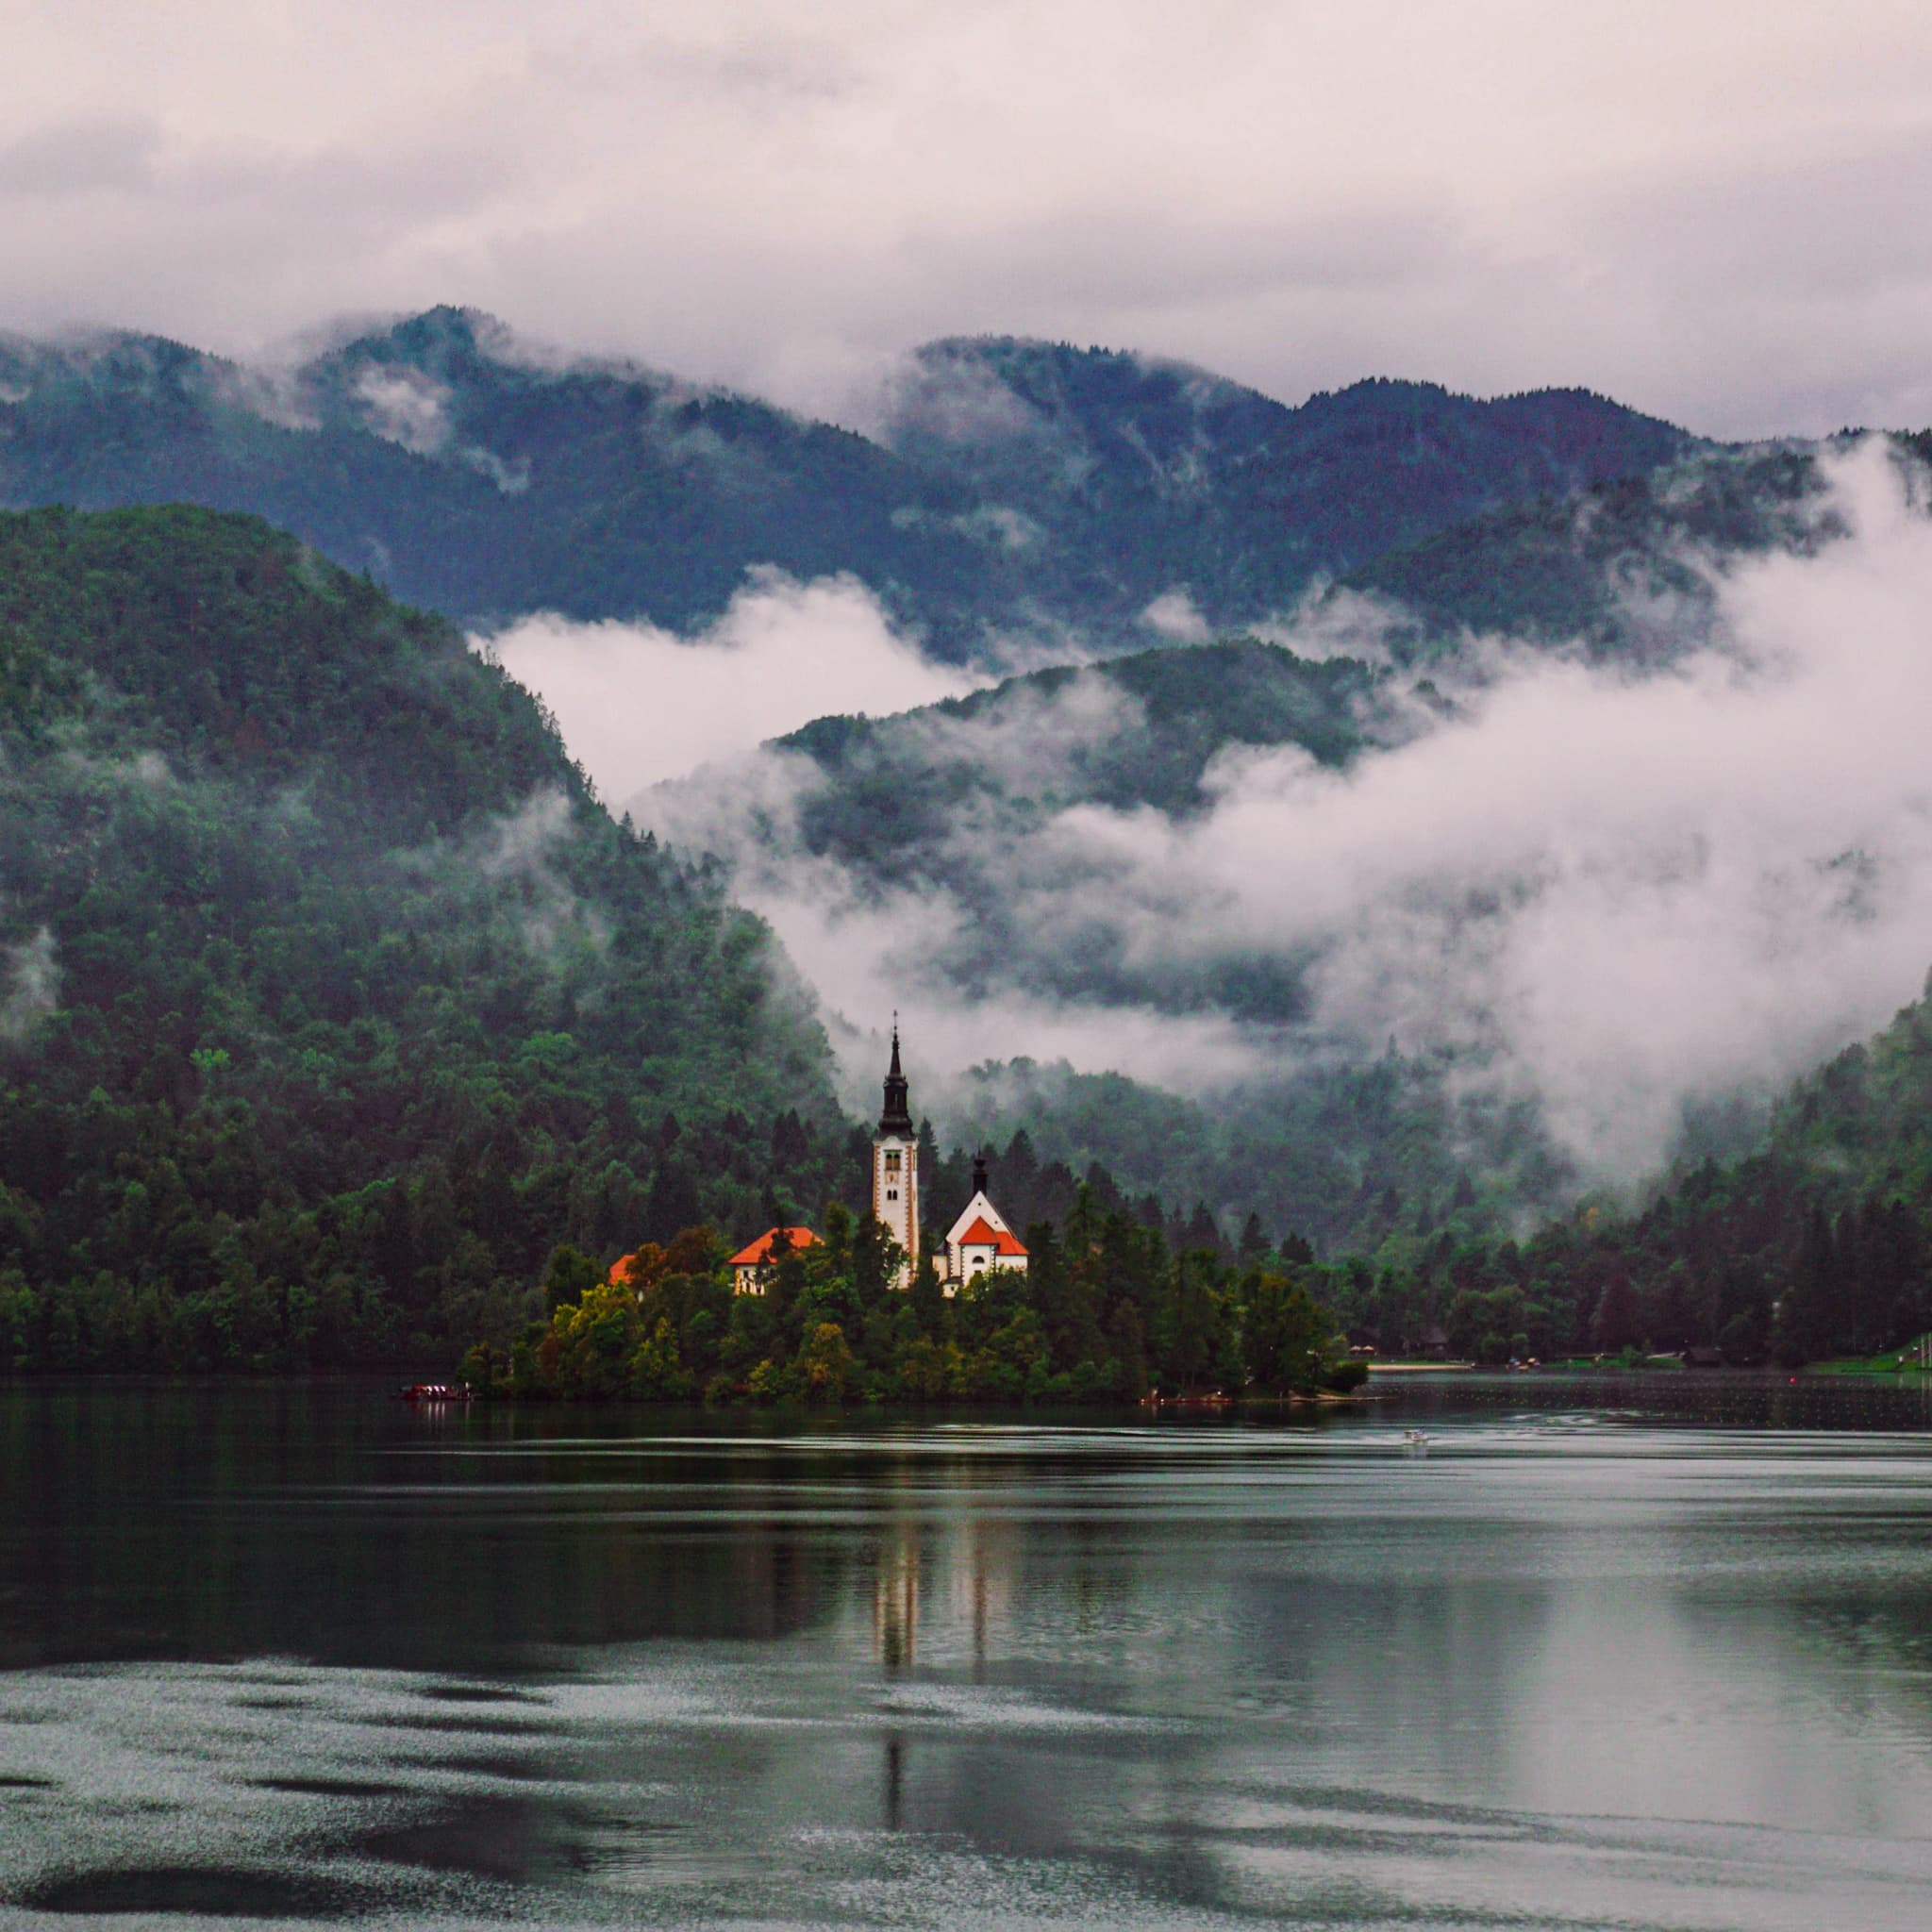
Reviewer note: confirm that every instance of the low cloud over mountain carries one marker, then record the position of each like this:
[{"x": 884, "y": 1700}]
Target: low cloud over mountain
[{"x": 1617, "y": 891}]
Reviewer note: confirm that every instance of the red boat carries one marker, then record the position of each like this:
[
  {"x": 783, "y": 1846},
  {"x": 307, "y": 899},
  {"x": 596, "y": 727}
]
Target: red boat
[{"x": 437, "y": 1391}]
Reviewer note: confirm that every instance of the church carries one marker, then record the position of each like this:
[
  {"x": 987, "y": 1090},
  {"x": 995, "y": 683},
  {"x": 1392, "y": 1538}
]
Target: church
[{"x": 979, "y": 1239}]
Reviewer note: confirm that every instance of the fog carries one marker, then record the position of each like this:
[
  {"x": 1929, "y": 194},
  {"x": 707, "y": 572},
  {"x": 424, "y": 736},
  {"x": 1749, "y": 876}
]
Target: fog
[
  {"x": 637, "y": 705},
  {"x": 1620, "y": 893},
  {"x": 1712, "y": 211},
  {"x": 30, "y": 985}
]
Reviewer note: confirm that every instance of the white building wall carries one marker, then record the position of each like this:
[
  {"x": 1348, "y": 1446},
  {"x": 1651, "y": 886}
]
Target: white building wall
[{"x": 895, "y": 1196}]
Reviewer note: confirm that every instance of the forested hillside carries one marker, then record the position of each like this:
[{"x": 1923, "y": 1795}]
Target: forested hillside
[
  {"x": 1817, "y": 1244},
  {"x": 1622, "y": 567},
  {"x": 329, "y": 1001},
  {"x": 1142, "y": 474},
  {"x": 1014, "y": 487}
]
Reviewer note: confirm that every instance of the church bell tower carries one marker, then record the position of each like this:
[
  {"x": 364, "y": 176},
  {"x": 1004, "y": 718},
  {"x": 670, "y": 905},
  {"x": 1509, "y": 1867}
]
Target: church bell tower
[{"x": 895, "y": 1168}]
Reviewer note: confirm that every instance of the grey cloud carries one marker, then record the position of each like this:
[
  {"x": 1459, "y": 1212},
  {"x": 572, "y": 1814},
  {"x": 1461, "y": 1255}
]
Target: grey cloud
[
  {"x": 78, "y": 158},
  {"x": 760, "y": 196}
]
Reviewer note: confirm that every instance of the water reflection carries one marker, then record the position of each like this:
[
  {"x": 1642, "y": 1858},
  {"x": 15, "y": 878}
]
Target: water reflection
[{"x": 297, "y": 1653}]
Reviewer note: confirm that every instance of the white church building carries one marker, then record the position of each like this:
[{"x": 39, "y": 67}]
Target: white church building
[{"x": 978, "y": 1242}]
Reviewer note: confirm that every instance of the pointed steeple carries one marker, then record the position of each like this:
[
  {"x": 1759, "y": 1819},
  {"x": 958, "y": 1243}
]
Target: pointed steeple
[
  {"x": 897, "y": 1117},
  {"x": 980, "y": 1174}
]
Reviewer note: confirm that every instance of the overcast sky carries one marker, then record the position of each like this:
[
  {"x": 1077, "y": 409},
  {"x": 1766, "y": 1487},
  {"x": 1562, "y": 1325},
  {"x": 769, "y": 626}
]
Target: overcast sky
[{"x": 1716, "y": 209}]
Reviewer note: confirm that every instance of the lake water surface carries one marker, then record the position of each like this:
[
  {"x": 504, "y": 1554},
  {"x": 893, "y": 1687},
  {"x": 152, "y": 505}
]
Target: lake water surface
[{"x": 1641, "y": 1653}]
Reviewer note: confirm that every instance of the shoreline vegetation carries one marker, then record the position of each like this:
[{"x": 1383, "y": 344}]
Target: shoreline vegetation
[{"x": 1104, "y": 1313}]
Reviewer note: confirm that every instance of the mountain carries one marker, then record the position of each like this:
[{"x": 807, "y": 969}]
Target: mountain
[
  {"x": 462, "y": 477},
  {"x": 1014, "y": 488},
  {"x": 1624, "y": 566},
  {"x": 1117, "y": 478},
  {"x": 329, "y": 1001}
]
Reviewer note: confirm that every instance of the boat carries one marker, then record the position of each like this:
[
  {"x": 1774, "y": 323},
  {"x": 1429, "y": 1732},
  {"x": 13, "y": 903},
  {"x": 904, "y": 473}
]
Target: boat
[{"x": 437, "y": 1391}]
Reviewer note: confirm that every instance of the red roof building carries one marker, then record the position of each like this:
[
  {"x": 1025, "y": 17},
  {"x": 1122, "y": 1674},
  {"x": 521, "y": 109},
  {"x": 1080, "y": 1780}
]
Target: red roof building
[
  {"x": 751, "y": 1266},
  {"x": 979, "y": 1243}
]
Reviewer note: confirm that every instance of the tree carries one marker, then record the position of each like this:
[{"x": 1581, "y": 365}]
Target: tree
[
  {"x": 1284, "y": 1334},
  {"x": 825, "y": 1363},
  {"x": 570, "y": 1274},
  {"x": 1613, "y": 1327}
]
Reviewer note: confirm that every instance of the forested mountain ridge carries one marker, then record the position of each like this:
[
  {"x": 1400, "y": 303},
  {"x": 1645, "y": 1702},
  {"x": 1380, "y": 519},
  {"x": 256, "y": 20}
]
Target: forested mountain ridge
[
  {"x": 329, "y": 1000},
  {"x": 1817, "y": 1244},
  {"x": 1622, "y": 567},
  {"x": 464, "y": 479},
  {"x": 1014, "y": 488},
  {"x": 1139, "y": 729},
  {"x": 1162, "y": 474}
]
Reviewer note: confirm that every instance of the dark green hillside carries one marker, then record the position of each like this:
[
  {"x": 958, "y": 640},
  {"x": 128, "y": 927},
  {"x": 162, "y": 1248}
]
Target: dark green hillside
[
  {"x": 1559, "y": 570},
  {"x": 1136, "y": 730},
  {"x": 1819, "y": 1244},
  {"x": 329, "y": 1001}
]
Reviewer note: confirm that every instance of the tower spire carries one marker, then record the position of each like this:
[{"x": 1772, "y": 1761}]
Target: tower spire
[{"x": 897, "y": 1117}]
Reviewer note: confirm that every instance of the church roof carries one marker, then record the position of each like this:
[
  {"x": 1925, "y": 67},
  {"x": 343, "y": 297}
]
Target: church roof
[
  {"x": 980, "y": 1236},
  {"x": 761, "y": 1250},
  {"x": 978, "y": 1208}
]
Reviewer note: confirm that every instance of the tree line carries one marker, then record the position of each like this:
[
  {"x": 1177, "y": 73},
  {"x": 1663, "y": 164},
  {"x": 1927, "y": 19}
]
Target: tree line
[{"x": 1106, "y": 1311}]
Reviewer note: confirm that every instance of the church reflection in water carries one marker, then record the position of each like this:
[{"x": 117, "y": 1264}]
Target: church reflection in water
[{"x": 948, "y": 1587}]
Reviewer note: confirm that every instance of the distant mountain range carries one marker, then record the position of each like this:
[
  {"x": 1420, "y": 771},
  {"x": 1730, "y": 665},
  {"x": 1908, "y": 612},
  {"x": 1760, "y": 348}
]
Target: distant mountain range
[{"x": 1012, "y": 487}]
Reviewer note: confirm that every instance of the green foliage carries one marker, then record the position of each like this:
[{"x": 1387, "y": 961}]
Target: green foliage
[
  {"x": 1105, "y": 1313},
  {"x": 331, "y": 1003}
]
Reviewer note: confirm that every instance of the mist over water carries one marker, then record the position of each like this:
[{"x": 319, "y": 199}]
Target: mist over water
[{"x": 303, "y": 1654}]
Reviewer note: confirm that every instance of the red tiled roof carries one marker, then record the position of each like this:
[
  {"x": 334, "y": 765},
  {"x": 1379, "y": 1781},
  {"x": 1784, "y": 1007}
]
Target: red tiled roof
[
  {"x": 980, "y": 1236},
  {"x": 761, "y": 1250}
]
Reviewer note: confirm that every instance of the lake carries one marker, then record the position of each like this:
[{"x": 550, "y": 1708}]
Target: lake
[{"x": 1645, "y": 1652}]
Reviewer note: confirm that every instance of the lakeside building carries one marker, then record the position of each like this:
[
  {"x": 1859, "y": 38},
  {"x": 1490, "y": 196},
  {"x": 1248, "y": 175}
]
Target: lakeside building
[
  {"x": 895, "y": 1168},
  {"x": 980, "y": 1238},
  {"x": 751, "y": 1267},
  {"x": 978, "y": 1241}
]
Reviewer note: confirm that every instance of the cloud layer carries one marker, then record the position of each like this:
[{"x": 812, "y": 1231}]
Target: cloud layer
[
  {"x": 1711, "y": 210},
  {"x": 1618, "y": 893},
  {"x": 638, "y": 705}
]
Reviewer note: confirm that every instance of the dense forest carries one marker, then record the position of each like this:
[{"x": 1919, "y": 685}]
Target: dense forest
[
  {"x": 1818, "y": 1246},
  {"x": 1760, "y": 1262},
  {"x": 329, "y": 1001}
]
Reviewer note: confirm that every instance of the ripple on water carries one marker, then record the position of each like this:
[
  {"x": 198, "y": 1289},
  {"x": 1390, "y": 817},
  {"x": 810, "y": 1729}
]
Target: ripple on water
[{"x": 201, "y": 1892}]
